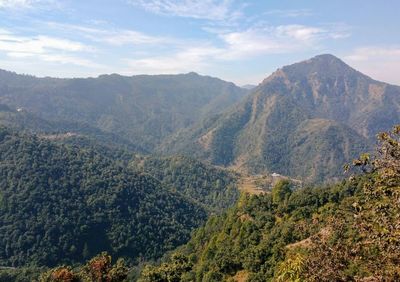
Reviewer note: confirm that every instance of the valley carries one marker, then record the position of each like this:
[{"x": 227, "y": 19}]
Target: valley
[
  {"x": 199, "y": 141},
  {"x": 260, "y": 184},
  {"x": 192, "y": 178},
  {"x": 252, "y": 185}
]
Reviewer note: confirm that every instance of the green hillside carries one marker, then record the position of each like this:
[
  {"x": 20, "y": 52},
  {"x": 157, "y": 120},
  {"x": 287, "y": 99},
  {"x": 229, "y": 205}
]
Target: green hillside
[
  {"x": 211, "y": 187},
  {"x": 343, "y": 232},
  {"x": 63, "y": 204}
]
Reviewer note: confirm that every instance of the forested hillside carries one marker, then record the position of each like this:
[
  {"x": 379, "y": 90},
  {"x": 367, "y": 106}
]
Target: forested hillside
[
  {"x": 23, "y": 120},
  {"x": 343, "y": 232},
  {"x": 303, "y": 121},
  {"x": 213, "y": 188},
  {"x": 121, "y": 178},
  {"x": 63, "y": 204},
  {"x": 142, "y": 109}
]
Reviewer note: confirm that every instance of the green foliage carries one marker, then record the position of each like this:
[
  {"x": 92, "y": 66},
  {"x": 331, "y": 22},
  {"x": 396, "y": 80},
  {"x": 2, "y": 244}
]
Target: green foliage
[
  {"x": 291, "y": 269},
  {"x": 254, "y": 235},
  {"x": 281, "y": 191},
  {"x": 62, "y": 204},
  {"x": 23, "y": 274},
  {"x": 173, "y": 271},
  {"x": 344, "y": 232},
  {"x": 364, "y": 239},
  {"x": 379, "y": 213},
  {"x": 211, "y": 187}
]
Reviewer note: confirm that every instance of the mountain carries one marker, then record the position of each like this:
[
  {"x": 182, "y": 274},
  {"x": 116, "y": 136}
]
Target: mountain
[
  {"x": 249, "y": 86},
  {"x": 62, "y": 204},
  {"x": 305, "y": 121},
  {"x": 142, "y": 109}
]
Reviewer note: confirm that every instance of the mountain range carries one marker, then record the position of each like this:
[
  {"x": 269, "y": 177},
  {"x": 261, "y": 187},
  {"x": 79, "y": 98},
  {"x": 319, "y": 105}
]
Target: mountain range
[
  {"x": 133, "y": 165},
  {"x": 305, "y": 120},
  {"x": 142, "y": 109},
  {"x": 320, "y": 110}
]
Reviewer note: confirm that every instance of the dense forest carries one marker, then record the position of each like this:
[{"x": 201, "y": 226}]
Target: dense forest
[
  {"x": 343, "y": 232},
  {"x": 60, "y": 203},
  {"x": 211, "y": 187}
]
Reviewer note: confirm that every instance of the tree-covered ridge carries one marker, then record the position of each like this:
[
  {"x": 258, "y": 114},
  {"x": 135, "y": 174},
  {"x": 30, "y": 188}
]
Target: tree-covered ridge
[
  {"x": 23, "y": 120},
  {"x": 63, "y": 204},
  {"x": 142, "y": 109},
  {"x": 212, "y": 187},
  {"x": 252, "y": 237},
  {"x": 345, "y": 232}
]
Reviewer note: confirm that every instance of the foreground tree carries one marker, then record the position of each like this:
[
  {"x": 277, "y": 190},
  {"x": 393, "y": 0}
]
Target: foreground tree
[
  {"x": 378, "y": 216},
  {"x": 98, "y": 269},
  {"x": 365, "y": 244}
]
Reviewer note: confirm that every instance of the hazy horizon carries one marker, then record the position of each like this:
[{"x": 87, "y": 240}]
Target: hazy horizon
[{"x": 238, "y": 41}]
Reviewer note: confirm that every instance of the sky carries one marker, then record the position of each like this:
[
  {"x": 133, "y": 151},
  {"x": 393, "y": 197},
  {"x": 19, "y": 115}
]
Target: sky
[{"x": 238, "y": 41}]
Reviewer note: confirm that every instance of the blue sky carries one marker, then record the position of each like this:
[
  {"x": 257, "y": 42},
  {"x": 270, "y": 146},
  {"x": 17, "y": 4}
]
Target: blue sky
[{"x": 239, "y": 41}]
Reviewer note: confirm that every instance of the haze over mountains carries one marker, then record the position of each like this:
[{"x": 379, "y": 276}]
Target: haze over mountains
[
  {"x": 142, "y": 109},
  {"x": 139, "y": 162},
  {"x": 321, "y": 110}
]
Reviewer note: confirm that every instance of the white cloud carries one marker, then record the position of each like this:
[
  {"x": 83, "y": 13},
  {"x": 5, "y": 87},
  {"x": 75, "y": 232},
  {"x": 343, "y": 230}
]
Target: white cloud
[
  {"x": 198, "y": 56},
  {"x": 312, "y": 33},
  {"x": 197, "y": 9},
  {"x": 300, "y": 32},
  {"x": 368, "y": 53},
  {"x": 291, "y": 13},
  {"x": 69, "y": 59},
  {"x": 379, "y": 62},
  {"x": 56, "y": 58},
  {"x": 45, "y": 48},
  {"x": 235, "y": 46},
  {"x": 25, "y": 4},
  {"x": 128, "y": 37},
  {"x": 251, "y": 43},
  {"x": 110, "y": 36},
  {"x": 262, "y": 40},
  {"x": 15, "y": 3},
  {"x": 38, "y": 44},
  {"x": 190, "y": 59}
]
